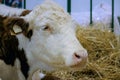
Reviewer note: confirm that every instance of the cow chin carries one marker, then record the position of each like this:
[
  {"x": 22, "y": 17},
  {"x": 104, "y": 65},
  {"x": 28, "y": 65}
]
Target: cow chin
[{"x": 77, "y": 67}]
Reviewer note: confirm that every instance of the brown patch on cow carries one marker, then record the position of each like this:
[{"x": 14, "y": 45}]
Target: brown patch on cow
[
  {"x": 23, "y": 62},
  {"x": 8, "y": 51},
  {"x": 2, "y": 29},
  {"x": 24, "y": 13}
]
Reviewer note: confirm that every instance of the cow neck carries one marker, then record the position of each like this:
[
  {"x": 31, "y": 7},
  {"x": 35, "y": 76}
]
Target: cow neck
[{"x": 9, "y": 52}]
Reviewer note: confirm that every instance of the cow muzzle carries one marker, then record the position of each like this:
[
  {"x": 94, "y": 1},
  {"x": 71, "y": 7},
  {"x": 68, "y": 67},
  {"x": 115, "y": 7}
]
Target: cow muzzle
[{"x": 79, "y": 59}]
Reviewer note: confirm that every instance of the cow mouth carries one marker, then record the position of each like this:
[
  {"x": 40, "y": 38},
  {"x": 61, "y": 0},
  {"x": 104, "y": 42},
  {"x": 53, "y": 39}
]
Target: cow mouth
[{"x": 79, "y": 65}]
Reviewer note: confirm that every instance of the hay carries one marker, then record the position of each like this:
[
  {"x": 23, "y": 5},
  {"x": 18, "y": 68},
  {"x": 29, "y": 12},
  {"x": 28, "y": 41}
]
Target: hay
[{"x": 104, "y": 56}]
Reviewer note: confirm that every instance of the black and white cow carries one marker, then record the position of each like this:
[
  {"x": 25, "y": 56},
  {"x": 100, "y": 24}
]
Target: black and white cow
[{"x": 43, "y": 39}]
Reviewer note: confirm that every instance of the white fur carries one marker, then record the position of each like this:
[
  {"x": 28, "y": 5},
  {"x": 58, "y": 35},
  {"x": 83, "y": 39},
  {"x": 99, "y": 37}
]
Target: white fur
[{"x": 9, "y": 11}]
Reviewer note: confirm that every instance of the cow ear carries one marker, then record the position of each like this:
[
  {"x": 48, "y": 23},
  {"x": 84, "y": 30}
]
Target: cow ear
[
  {"x": 15, "y": 25},
  {"x": 18, "y": 25}
]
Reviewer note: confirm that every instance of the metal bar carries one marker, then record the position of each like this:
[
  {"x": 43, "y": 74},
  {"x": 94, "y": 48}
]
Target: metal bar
[
  {"x": 69, "y": 6},
  {"x": 3, "y": 1},
  {"x": 112, "y": 22},
  {"x": 91, "y": 12},
  {"x": 24, "y": 4}
]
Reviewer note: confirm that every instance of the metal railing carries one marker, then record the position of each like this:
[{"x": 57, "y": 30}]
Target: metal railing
[
  {"x": 24, "y": 4},
  {"x": 91, "y": 21},
  {"x": 91, "y": 4}
]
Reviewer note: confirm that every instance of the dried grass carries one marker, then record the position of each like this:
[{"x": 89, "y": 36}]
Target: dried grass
[{"x": 104, "y": 56}]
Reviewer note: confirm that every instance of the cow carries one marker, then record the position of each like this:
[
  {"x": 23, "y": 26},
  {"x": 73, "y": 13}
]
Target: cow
[{"x": 43, "y": 39}]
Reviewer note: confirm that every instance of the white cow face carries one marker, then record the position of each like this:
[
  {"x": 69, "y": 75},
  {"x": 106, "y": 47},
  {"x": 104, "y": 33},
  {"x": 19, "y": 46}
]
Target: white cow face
[
  {"x": 48, "y": 39},
  {"x": 54, "y": 43}
]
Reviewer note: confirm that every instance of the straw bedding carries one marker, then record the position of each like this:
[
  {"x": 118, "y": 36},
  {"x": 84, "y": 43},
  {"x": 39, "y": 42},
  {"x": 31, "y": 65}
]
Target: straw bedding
[{"x": 104, "y": 56}]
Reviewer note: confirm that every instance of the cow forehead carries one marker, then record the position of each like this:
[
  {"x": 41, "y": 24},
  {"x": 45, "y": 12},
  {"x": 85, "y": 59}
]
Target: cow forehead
[
  {"x": 58, "y": 22},
  {"x": 54, "y": 17},
  {"x": 49, "y": 12}
]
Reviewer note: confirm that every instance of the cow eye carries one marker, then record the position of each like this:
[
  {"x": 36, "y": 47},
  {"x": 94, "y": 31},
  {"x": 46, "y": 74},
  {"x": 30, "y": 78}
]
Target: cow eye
[{"x": 46, "y": 28}]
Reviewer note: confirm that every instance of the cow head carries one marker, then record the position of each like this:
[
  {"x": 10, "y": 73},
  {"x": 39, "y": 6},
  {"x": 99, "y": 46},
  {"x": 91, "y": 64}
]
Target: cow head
[{"x": 52, "y": 42}]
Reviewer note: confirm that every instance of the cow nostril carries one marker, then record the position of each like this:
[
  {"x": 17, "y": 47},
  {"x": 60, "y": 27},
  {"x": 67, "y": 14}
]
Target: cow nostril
[{"x": 77, "y": 56}]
